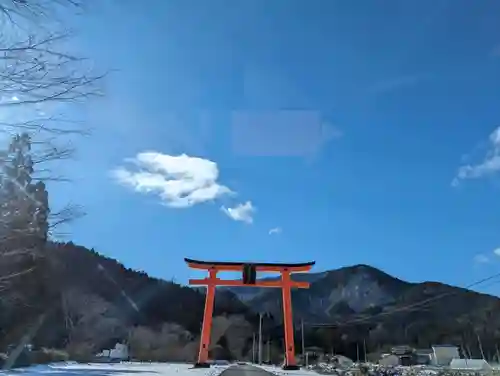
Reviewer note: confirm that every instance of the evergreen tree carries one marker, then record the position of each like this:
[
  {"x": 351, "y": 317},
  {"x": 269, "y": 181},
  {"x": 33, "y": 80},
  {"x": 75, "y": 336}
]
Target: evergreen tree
[
  {"x": 24, "y": 205},
  {"x": 24, "y": 208}
]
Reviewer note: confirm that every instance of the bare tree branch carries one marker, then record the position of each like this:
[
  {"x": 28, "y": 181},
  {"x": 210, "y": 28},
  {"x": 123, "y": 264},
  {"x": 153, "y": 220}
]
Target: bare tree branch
[
  {"x": 54, "y": 125},
  {"x": 41, "y": 82},
  {"x": 67, "y": 214},
  {"x": 34, "y": 72},
  {"x": 16, "y": 11}
]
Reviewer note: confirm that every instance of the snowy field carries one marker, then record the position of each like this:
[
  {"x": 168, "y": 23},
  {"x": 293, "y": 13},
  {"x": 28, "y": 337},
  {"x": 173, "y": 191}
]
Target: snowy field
[
  {"x": 280, "y": 372},
  {"x": 116, "y": 369},
  {"x": 135, "y": 369}
]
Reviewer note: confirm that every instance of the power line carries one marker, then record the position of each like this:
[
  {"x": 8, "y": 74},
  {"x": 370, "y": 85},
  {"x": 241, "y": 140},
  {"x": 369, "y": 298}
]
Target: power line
[{"x": 410, "y": 307}]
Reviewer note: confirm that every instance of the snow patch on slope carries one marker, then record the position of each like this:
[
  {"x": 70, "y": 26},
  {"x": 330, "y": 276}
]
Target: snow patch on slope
[{"x": 360, "y": 292}]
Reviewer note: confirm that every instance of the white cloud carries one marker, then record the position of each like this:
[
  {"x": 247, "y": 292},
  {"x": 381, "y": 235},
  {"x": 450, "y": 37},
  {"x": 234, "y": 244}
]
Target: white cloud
[
  {"x": 241, "y": 212},
  {"x": 481, "y": 259},
  {"x": 180, "y": 181},
  {"x": 276, "y": 230},
  {"x": 496, "y": 251},
  {"x": 489, "y": 166}
]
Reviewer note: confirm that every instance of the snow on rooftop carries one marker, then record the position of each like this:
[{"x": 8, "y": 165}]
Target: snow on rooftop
[{"x": 116, "y": 369}]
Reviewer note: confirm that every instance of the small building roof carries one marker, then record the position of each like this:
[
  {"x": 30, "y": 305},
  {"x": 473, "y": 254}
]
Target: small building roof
[{"x": 402, "y": 349}]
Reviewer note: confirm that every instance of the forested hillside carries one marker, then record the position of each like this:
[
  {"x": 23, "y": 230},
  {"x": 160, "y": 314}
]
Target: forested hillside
[
  {"x": 361, "y": 305},
  {"x": 68, "y": 297}
]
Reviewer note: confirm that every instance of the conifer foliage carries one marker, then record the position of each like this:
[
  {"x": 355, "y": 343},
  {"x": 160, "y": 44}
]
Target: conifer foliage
[
  {"x": 24, "y": 207},
  {"x": 24, "y": 210}
]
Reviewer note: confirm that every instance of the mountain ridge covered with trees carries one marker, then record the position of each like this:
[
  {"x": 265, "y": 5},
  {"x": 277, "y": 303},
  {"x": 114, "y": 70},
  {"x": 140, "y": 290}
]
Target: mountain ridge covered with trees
[{"x": 64, "y": 296}]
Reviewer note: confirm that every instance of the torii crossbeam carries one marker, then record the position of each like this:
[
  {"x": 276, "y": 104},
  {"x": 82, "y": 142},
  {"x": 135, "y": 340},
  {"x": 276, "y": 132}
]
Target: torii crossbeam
[{"x": 249, "y": 271}]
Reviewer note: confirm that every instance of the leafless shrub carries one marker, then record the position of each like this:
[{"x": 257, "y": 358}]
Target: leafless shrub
[
  {"x": 45, "y": 356},
  {"x": 171, "y": 343}
]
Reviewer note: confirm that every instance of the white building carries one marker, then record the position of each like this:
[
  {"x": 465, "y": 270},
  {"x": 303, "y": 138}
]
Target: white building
[
  {"x": 442, "y": 355},
  {"x": 120, "y": 352}
]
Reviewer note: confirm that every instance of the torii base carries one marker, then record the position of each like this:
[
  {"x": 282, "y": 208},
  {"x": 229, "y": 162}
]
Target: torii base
[
  {"x": 290, "y": 367},
  {"x": 201, "y": 365}
]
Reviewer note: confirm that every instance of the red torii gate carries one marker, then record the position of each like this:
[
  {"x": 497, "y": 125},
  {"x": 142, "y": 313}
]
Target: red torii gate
[{"x": 249, "y": 271}]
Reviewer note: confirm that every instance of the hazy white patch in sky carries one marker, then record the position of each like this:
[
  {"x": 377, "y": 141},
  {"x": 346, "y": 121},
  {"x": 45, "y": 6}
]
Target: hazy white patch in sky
[
  {"x": 395, "y": 83},
  {"x": 268, "y": 88},
  {"x": 481, "y": 259},
  {"x": 490, "y": 164},
  {"x": 241, "y": 212},
  {"x": 187, "y": 131},
  {"x": 275, "y": 231},
  {"x": 180, "y": 181},
  {"x": 280, "y": 133},
  {"x": 495, "y": 51},
  {"x": 496, "y": 251}
]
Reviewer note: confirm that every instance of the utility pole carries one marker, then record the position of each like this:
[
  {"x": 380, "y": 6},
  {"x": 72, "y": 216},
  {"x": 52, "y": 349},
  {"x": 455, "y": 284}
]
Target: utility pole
[
  {"x": 464, "y": 351},
  {"x": 260, "y": 338},
  {"x": 303, "y": 340},
  {"x": 364, "y": 348},
  {"x": 253, "y": 347},
  {"x": 480, "y": 346},
  {"x": 468, "y": 350},
  {"x": 269, "y": 350}
]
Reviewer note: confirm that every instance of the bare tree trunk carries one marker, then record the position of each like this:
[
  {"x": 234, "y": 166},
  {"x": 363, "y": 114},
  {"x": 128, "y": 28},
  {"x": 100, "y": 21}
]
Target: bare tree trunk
[{"x": 25, "y": 340}]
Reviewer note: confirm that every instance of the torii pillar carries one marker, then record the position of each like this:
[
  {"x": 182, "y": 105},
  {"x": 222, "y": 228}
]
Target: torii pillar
[{"x": 249, "y": 271}]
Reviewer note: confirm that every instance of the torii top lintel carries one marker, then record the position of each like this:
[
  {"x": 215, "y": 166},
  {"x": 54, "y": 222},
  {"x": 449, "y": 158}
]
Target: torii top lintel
[{"x": 259, "y": 266}]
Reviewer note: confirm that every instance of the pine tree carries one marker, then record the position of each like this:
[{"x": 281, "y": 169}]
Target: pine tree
[
  {"x": 24, "y": 225},
  {"x": 24, "y": 207}
]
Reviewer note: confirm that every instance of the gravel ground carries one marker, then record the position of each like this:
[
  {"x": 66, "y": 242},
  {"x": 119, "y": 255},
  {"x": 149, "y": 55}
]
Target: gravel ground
[{"x": 368, "y": 369}]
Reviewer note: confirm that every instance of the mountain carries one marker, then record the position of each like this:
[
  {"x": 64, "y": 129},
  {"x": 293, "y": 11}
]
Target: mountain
[
  {"x": 246, "y": 294},
  {"x": 89, "y": 302},
  {"x": 360, "y": 303},
  {"x": 94, "y": 301},
  {"x": 346, "y": 290}
]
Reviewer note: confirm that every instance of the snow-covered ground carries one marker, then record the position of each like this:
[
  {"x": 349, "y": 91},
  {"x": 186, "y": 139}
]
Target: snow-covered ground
[
  {"x": 116, "y": 369},
  {"x": 280, "y": 372}
]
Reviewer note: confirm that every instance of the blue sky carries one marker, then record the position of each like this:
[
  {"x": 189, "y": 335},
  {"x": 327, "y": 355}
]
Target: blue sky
[{"x": 343, "y": 124}]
